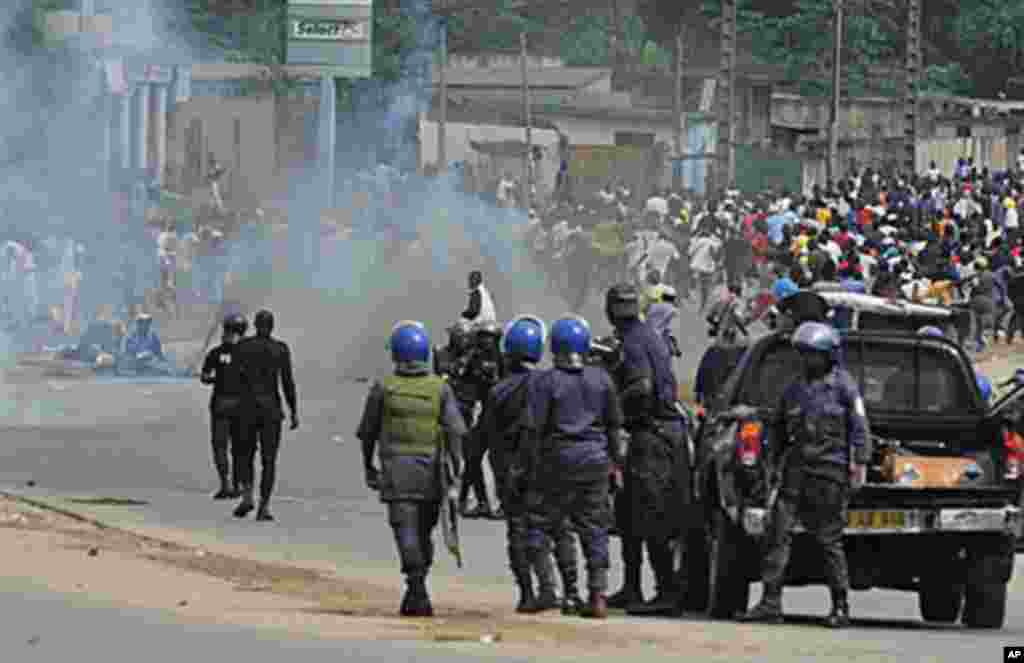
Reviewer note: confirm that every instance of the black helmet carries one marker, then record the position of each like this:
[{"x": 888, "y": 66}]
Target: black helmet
[
  {"x": 236, "y": 324},
  {"x": 622, "y": 302},
  {"x": 264, "y": 321}
]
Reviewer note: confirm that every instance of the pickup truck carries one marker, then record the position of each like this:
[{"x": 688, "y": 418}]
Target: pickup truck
[{"x": 941, "y": 509}]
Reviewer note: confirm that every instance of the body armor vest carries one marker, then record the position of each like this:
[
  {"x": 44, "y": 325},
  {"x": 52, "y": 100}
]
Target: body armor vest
[{"x": 412, "y": 412}]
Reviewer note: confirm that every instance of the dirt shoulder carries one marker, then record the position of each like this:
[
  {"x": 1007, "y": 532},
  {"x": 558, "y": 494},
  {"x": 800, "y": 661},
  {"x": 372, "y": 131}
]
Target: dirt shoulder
[{"x": 73, "y": 557}]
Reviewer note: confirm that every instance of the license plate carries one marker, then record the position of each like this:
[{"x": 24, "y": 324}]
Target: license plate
[{"x": 876, "y": 519}]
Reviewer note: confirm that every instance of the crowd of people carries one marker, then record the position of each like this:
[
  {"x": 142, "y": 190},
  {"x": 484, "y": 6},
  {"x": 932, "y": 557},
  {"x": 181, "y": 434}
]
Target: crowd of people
[{"x": 949, "y": 239}]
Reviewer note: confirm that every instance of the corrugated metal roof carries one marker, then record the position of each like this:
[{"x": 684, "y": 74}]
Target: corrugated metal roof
[{"x": 571, "y": 78}]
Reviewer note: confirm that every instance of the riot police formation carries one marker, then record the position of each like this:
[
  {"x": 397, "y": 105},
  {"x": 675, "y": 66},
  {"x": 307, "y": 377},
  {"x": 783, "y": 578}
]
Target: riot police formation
[
  {"x": 221, "y": 369},
  {"x": 651, "y": 509},
  {"x": 409, "y": 420},
  {"x": 573, "y": 436},
  {"x": 502, "y": 424},
  {"x": 823, "y": 427}
]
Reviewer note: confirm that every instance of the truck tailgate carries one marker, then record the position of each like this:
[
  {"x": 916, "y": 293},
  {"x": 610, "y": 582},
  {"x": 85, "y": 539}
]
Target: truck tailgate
[{"x": 887, "y": 509}]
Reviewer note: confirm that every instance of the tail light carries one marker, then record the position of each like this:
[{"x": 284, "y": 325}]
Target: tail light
[
  {"x": 1014, "y": 445},
  {"x": 748, "y": 443}
]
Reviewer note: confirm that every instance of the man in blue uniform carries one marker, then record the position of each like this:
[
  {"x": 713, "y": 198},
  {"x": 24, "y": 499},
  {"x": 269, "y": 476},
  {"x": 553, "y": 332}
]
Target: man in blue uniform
[
  {"x": 501, "y": 423},
  {"x": 822, "y": 431},
  {"x": 573, "y": 434},
  {"x": 221, "y": 370},
  {"x": 657, "y": 472},
  {"x": 409, "y": 417}
]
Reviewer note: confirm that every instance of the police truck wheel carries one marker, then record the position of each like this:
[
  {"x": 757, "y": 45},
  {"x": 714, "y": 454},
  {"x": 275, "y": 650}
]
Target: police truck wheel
[
  {"x": 939, "y": 600},
  {"x": 985, "y": 605},
  {"x": 728, "y": 589}
]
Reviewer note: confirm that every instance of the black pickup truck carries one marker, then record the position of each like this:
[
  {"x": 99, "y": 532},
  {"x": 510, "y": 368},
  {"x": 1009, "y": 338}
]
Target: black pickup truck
[{"x": 941, "y": 509}]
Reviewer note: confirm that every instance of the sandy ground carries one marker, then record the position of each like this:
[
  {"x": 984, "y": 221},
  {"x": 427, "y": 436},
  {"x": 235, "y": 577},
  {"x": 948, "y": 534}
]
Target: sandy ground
[{"x": 71, "y": 557}]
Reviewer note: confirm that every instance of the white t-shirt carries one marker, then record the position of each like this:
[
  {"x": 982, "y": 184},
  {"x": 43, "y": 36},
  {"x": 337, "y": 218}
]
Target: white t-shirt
[
  {"x": 1012, "y": 219},
  {"x": 702, "y": 250},
  {"x": 660, "y": 254},
  {"x": 1020, "y": 162},
  {"x": 24, "y": 261},
  {"x": 166, "y": 244},
  {"x": 658, "y": 205}
]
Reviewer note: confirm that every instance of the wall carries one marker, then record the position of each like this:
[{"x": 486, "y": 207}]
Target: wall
[
  {"x": 458, "y": 148},
  {"x": 251, "y": 164},
  {"x": 993, "y": 152}
]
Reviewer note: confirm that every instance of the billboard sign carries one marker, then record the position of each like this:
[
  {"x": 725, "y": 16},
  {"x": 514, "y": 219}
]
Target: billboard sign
[{"x": 335, "y": 35}]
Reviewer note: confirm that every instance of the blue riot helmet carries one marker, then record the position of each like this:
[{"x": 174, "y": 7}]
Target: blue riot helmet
[
  {"x": 930, "y": 330},
  {"x": 524, "y": 338},
  {"x": 570, "y": 341},
  {"x": 818, "y": 345},
  {"x": 409, "y": 342},
  {"x": 985, "y": 386}
]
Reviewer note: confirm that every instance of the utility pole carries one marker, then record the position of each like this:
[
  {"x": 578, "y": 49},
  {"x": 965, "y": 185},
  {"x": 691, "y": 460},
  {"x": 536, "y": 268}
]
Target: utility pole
[
  {"x": 727, "y": 98},
  {"x": 678, "y": 110},
  {"x": 837, "y": 80},
  {"x": 442, "y": 120},
  {"x": 910, "y": 100},
  {"x": 527, "y": 193}
]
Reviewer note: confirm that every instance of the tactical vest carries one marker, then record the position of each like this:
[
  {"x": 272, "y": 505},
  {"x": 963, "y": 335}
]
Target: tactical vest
[{"x": 411, "y": 416}]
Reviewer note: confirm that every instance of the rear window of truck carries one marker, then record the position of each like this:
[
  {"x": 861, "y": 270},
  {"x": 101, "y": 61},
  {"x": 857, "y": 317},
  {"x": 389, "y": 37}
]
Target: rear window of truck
[{"x": 892, "y": 378}]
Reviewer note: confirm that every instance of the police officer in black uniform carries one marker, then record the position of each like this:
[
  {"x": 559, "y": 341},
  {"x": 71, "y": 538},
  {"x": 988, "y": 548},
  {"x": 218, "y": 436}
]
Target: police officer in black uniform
[
  {"x": 481, "y": 371},
  {"x": 221, "y": 370},
  {"x": 266, "y": 365},
  {"x": 651, "y": 510},
  {"x": 825, "y": 446}
]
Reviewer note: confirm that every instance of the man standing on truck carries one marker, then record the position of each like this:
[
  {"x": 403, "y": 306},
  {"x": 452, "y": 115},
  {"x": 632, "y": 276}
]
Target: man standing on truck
[{"x": 822, "y": 428}]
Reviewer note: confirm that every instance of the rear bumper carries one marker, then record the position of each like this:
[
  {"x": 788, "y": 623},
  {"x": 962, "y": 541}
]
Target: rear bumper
[{"x": 1005, "y": 520}]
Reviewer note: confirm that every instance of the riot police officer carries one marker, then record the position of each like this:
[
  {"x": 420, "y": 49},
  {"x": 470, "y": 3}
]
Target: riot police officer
[
  {"x": 481, "y": 371},
  {"x": 651, "y": 510},
  {"x": 501, "y": 423},
  {"x": 221, "y": 369},
  {"x": 266, "y": 365},
  {"x": 573, "y": 434},
  {"x": 824, "y": 440},
  {"x": 404, "y": 419}
]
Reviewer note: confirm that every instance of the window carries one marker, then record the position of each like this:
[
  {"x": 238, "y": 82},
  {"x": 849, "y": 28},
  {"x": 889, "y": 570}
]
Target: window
[
  {"x": 631, "y": 139},
  {"x": 891, "y": 378}
]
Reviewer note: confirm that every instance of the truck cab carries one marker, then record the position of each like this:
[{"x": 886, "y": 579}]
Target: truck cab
[{"x": 944, "y": 484}]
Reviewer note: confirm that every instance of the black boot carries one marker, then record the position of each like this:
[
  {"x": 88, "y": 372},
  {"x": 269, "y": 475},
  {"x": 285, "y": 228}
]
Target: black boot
[
  {"x": 631, "y": 592},
  {"x": 416, "y": 602},
  {"x": 544, "y": 569},
  {"x": 247, "y": 504},
  {"x": 768, "y": 610},
  {"x": 225, "y": 492},
  {"x": 263, "y": 513},
  {"x": 527, "y": 599},
  {"x": 665, "y": 601},
  {"x": 840, "y": 615}
]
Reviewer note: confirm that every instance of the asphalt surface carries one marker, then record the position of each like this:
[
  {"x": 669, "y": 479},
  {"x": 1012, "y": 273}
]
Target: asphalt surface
[{"x": 151, "y": 443}]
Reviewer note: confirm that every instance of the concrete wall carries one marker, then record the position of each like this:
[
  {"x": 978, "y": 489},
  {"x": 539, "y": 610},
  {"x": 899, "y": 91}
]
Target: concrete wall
[
  {"x": 458, "y": 148},
  {"x": 251, "y": 164}
]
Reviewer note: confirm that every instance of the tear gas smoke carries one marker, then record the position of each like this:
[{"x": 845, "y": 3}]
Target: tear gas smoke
[{"x": 336, "y": 301}]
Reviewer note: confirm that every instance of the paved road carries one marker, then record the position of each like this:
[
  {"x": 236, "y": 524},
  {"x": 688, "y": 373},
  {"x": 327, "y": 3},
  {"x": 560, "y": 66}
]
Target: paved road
[
  {"x": 150, "y": 442},
  {"x": 44, "y": 627}
]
